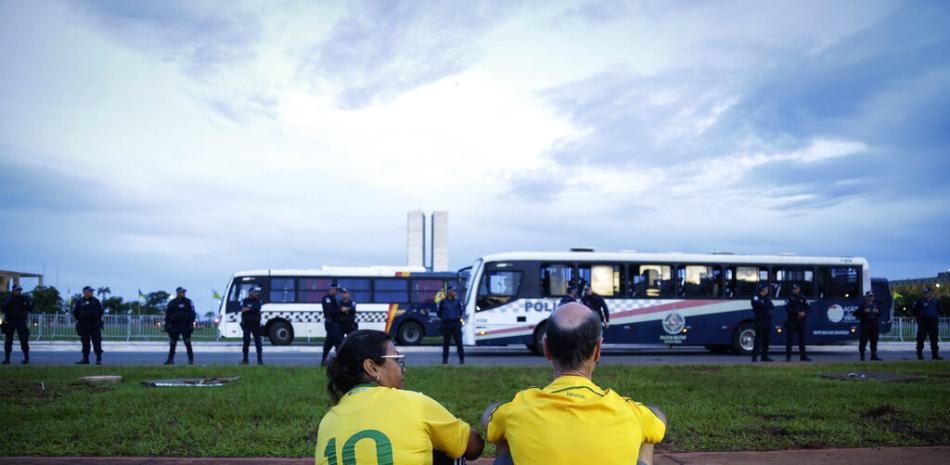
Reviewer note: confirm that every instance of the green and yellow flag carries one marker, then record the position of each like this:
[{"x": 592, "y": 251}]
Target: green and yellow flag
[{"x": 215, "y": 295}]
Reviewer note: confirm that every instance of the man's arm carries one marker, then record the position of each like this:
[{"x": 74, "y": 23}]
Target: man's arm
[
  {"x": 645, "y": 456},
  {"x": 475, "y": 445}
]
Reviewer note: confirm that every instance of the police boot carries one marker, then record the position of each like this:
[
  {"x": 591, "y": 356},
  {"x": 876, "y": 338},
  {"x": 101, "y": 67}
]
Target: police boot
[
  {"x": 6, "y": 360},
  {"x": 170, "y": 361},
  {"x": 936, "y": 356},
  {"x": 260, "y": 359},
  {"x": 766, "y": 358},
  {"x": 84, "y": 361},
  {"x": 191, "y": 359},
  {"x": 875, "y": 357},
  {"x": 99, "y": 359},
  {"x": 805, "y": 358},
  {"x": 862, "y": 356},
  {"x": 920, "y": 355},
  {"x": 755, "y": 359},
  {"x": 788, "y": 356},
  {"x": 26, "y": 358}
]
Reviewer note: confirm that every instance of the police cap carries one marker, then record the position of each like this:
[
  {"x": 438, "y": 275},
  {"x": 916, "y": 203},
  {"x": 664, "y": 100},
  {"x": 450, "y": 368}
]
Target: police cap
[
  {"x": 796, "y": 286},
  {"x": 16, "y": 287},
  {"x": 869, "y": 294},
  {"x": 180, "y": 289},
  {"x": 87, "y": 288}
]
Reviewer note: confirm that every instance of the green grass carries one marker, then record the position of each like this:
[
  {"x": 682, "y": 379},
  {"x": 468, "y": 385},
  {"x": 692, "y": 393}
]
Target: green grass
[{"x": 274, "y": 411}]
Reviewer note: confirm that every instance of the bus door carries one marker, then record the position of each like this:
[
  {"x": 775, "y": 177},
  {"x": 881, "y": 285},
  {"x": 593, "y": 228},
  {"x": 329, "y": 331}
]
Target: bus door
[{"x": 499, "y": 316}]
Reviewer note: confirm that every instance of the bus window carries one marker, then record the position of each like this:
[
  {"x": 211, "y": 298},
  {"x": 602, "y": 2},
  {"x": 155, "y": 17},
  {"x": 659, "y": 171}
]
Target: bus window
[
  {"x": 358, "y": 287},
  {"x": 653, "y": 281},
  {"x": 786, "y": 277},
  {"x": 742, "y": 282},
  {"x": 604, "y": 280},
  {"x": 497, "y": 288},
  {"x": 283, "y": 290},
  {"x": 425, "y": 290},
  {"x": 841, "y": 282},
  {"x": 239, "y": 292},
  {"x": 313, "y": 289},
  {"x": 391, "y": 290},
  {"x": 555, "y": 278},
  {"x": 698, "y": 281}
]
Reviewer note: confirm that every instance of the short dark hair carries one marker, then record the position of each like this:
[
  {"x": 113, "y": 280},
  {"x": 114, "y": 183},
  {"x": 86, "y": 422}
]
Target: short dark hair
[
  {"x": 345, "y": 371},
  {"x": 570, "y": 347}
]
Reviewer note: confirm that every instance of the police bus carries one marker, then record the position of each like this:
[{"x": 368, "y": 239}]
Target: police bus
[
  {"x": 666, "y": 298},
  {"x": 400, "y": 301}
]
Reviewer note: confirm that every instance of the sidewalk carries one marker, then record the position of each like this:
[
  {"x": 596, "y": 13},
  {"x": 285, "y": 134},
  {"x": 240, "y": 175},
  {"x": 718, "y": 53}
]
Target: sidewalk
[{"x": 937, "y": 455}]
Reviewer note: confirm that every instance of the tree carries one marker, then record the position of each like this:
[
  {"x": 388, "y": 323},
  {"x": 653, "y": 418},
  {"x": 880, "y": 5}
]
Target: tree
[
  {"x": 155, "y": 302},
  {"x": 102, "y": 292},
  {"x": 115, "y": 305},
  {"x": 46, "y": 300}
]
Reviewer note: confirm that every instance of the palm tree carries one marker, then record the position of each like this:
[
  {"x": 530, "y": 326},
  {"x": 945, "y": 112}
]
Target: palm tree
[{"x": 102, "y": 292}]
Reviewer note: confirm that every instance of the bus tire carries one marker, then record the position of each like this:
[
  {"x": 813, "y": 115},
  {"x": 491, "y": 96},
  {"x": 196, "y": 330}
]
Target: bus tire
[
  {"x": 743, "y": 338},
  {"x": 537, "y": 346},
  {"x": 280, "y": 333},
  {"x": 410, "y": 333}
]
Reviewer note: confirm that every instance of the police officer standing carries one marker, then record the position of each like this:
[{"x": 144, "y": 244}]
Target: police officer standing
[
  {"x": 180, "y": 322},
  {"x": 450, "y": 312},
  {"x": 16, "y": 308},
  {"x": 88, "y": 314},
  {"x": 597, "y": 304},
  {"x": 251, "y": 324},
  {"x": 331, "y": 322},
  {"x": 762, "y": 308},
  {"x": 571, "y": 296},
  {"x": 869, "y": 312},
  {"x": 927, "y": 311},
  {"x": 347, "y": 314},
  {"x": 796, "y": 311}
]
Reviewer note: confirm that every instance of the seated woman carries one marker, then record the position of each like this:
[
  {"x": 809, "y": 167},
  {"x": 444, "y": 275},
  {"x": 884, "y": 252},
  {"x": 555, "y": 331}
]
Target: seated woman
[{"x": 372, "y": 420}]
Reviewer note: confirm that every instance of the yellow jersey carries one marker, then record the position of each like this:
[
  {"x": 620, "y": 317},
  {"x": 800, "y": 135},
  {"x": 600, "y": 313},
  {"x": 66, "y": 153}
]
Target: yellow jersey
[
  {"x": 572, "y": 421},
  {"x": 384, "y": 426}
]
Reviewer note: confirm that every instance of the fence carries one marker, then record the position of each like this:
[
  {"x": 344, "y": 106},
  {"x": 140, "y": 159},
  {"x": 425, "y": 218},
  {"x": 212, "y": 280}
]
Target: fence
[
  {"x": 121, "y": 327},
  {"x": 905, "y": 329}
]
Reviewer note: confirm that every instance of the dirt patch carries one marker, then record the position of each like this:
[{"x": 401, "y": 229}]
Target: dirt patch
[
  {"x": 80, "y": 386},
  {"x": 15, "y": 389},
  {"x": 880, "y": 411}
]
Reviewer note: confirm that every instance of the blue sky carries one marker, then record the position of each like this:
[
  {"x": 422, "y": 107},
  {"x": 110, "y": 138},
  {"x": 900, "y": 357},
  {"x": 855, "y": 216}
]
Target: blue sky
[{"x": 154, "y": 144}]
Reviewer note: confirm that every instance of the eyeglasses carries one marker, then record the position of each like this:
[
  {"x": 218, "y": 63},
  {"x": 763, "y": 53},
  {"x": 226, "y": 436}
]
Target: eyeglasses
[{"x": 399, "y": 359}]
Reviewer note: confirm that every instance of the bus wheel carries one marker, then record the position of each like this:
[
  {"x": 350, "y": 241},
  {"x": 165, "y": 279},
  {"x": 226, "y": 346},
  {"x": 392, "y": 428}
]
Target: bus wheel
[
  {"x": 537, "y": 346},
  {"x": 743, "y": 339},
  {"x": 409, "y": 334},
  {"x": 281, "y": 333}
]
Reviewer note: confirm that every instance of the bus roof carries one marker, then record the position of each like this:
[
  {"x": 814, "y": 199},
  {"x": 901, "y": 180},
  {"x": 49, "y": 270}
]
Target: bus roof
[
  {"x": 368, "y": 271},
  {"x": 674, "y": 257}
]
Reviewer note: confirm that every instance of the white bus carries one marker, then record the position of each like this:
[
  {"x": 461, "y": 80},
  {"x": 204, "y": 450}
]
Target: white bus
[
  {"x": 398, "y": 300},
  {"x": 666, "y": 298}
]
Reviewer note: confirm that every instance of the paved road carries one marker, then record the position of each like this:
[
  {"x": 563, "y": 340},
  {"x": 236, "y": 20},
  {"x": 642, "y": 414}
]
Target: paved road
[{"x": 153, "y": 353}]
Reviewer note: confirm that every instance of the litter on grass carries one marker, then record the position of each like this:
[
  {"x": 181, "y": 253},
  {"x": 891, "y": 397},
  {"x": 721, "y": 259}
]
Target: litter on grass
[{"x": 190, "y": 382}]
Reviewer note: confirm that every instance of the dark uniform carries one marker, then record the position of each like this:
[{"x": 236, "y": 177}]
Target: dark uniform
[
  {"x": 796, "y": 311},
  {"x": 762, "y": 308},
  {"x": 451, "y": 313},
  {"x": 568, "y": 298},
  {"x": 348, "y": 318},
  {"x": 180, "y": 318},
  {"x": 331, "y": 323},
  {"x": 251, "y": 325},
  {"x": 869, "y": 314},
  {"x": 927, "y": 311},
  {"x": 88, "y": 314},
  {"x": 16, "y": 309},
  {"x": 599, "y": 306}
]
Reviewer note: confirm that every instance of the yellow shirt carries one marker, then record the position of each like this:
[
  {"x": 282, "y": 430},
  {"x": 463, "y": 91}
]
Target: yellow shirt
[
  {"x": 571, "y": 422},
  {"x": 385, "y": 426}
]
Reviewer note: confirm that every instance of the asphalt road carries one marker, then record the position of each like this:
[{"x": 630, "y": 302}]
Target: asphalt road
[{"x": 230, "y": 354}]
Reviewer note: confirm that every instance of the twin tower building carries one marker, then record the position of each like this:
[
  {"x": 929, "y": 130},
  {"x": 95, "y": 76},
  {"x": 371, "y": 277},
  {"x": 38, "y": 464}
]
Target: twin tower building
[{"x": 437, "y": 240}]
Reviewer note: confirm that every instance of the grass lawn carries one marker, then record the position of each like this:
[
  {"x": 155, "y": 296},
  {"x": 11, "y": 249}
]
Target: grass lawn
[{"x": 274, "y": 411}]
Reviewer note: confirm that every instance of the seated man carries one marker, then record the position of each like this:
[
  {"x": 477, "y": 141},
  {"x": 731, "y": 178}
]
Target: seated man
[{"x": 573, "y": 421}]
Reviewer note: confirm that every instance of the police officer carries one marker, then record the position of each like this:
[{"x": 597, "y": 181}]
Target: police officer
[
  {"x": 180, "y": 322},
  {"x": 927, "y": 310},
  {"x": 869, "y": 313},
  {"x": 331, "y": 322},
  {"x": 796, "y": 311},
  {"x": 251, "y": 324},
  {"x": 450, "y": 312},
  {"x": 16, "y": 308},
  {"x": 571, "y": 296},
  {"x": 347, "y": 314},
  {"x": 762, "y": 308},
  {"x": 88, "y": 314},
  {"x": 597, "y": 304}
]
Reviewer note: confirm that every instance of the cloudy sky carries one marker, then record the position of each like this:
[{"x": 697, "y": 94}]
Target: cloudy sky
[{"x": 150, "y": 144}]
